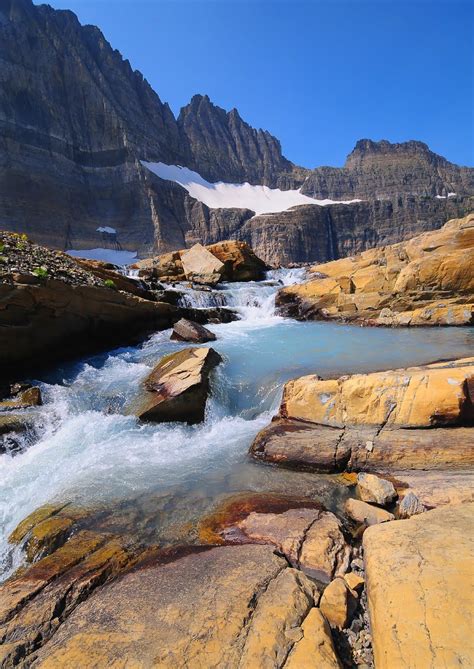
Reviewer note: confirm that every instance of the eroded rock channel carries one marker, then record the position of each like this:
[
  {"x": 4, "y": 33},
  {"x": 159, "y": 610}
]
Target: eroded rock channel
[{"x": 152, "y": 534}]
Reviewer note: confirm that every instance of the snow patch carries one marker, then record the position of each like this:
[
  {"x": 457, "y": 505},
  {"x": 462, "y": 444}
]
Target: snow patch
[
  {"x": 443, "y": 197},
  {"x": 107, "y": 229},
  {"x": 220, "y": 195},
  {"x": 106, "y": 255}
]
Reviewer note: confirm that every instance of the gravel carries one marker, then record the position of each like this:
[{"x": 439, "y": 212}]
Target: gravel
[{"x": 20, "y": 256}]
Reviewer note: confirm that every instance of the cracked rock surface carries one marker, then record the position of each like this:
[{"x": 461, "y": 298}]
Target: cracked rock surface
[
  {"x": 381, "y": 421},
  {"x": 419, "y": 588},
  {"x": 239, "y": 606}
]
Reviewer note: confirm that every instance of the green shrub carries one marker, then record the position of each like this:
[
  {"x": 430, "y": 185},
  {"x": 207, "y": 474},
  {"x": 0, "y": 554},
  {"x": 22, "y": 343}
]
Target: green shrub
[
  {"x": 41, "y": 272},
  {"x": 109, "y": 283}
]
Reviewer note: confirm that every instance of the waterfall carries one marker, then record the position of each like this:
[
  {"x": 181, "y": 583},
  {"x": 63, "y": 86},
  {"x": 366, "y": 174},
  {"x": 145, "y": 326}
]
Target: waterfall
[{"x": 253, "y": 300}]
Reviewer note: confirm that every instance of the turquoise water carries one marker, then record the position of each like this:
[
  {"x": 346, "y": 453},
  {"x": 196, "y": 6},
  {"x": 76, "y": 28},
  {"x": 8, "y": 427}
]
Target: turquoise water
[{"x": 89, "y": 452}]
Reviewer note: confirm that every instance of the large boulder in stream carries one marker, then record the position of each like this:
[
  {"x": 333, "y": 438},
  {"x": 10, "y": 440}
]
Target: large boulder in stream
[
  {"x": 185, "y": 330},
  {"x": 177, "y": 388},
  {"x": 201, "y": 266}
]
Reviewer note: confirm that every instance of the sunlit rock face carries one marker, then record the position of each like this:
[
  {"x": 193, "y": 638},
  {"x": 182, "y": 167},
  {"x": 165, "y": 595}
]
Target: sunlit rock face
[{"x": 428, "y": 280}]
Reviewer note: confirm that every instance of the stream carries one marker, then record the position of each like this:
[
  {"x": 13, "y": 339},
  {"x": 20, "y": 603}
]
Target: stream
[{"x": 161, "y": 476}]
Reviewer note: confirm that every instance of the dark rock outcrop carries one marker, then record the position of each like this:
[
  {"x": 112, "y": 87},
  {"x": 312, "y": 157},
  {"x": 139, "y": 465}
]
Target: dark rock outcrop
[
  {"x": 185, "y": 330},
  {"x": 313, "y": 233},
  {"x": 54, "y": 307},
  {"x": 222, "y": 147}
]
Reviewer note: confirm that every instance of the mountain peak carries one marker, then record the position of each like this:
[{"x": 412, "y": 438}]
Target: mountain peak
[{"x": 368, "y": 150}]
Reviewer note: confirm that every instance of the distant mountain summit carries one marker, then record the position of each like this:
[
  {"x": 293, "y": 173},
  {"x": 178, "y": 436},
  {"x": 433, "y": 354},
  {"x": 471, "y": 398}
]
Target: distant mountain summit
[
  {"x": 77, "y": 124},
  {"x": 384, "y": 170},
  {"x": 223, "y": 147}
]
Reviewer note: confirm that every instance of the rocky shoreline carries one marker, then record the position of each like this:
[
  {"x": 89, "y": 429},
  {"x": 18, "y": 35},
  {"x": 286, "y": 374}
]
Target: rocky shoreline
[
  {"x": 424, "y": 281},
  {"x": 53, "y": 306},
  {"x": 248, "y": 579}
]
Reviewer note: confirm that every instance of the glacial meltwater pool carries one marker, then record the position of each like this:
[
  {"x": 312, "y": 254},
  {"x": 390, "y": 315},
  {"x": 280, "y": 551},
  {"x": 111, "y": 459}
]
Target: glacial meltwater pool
[{"x": 90, "y": 453}]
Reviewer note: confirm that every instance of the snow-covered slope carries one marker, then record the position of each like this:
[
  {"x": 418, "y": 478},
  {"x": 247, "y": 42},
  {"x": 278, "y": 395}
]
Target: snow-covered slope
[{"x": 260, "y": 199}]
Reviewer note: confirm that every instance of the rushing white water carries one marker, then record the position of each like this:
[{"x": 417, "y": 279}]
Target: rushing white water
[{"x": 89, "y": 451}]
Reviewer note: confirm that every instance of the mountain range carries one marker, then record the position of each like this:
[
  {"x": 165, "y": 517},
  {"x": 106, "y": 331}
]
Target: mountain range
[{"x": 79, "y": 129}]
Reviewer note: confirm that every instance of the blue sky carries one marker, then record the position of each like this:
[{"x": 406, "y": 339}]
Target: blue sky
[{"x": 318, "y": 74}]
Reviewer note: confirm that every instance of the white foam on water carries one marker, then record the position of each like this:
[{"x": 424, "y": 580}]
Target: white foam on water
[{"x": 90, "y": 452}]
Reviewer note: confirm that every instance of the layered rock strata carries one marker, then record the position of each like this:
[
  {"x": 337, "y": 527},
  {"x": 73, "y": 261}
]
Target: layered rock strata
[
  {"x": 428, "y": 280},
  {"x": 415, "y": 418},
  {"x": 77, "y": 122}
]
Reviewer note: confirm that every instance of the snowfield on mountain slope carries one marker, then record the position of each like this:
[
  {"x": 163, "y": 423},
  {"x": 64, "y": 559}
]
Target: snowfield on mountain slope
[{"x": 220, "y": 195}]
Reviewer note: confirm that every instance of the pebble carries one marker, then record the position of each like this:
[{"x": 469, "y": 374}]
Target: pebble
[{"x": 357, "y": 565}]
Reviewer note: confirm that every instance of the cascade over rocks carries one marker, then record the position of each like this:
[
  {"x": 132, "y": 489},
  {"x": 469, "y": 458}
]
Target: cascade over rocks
[
  {"x": 428, "y": 280},
  {"x": 177, "y": 388}
]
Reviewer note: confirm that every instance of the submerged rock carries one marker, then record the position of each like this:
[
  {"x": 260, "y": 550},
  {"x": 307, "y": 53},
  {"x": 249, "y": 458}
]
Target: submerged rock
[
  {"x": 417, "y": 580},
  {"x": 29, "y": 397},
  {"x": 312, "y": 540},
  {"x": 177, "y": 388},
  {"x": 185, "y": 330}
]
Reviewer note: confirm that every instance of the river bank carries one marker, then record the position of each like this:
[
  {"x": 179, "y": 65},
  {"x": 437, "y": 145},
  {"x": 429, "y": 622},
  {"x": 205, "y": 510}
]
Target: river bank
[{"x": 156, "y": 483}]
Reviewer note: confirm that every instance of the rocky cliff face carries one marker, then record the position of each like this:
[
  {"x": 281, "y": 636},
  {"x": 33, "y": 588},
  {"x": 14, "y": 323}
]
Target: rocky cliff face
[
  {"x": 222, "y": 147},
  {"x": 76, "y": 121},
  {"x": 311, "y": 232}
]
